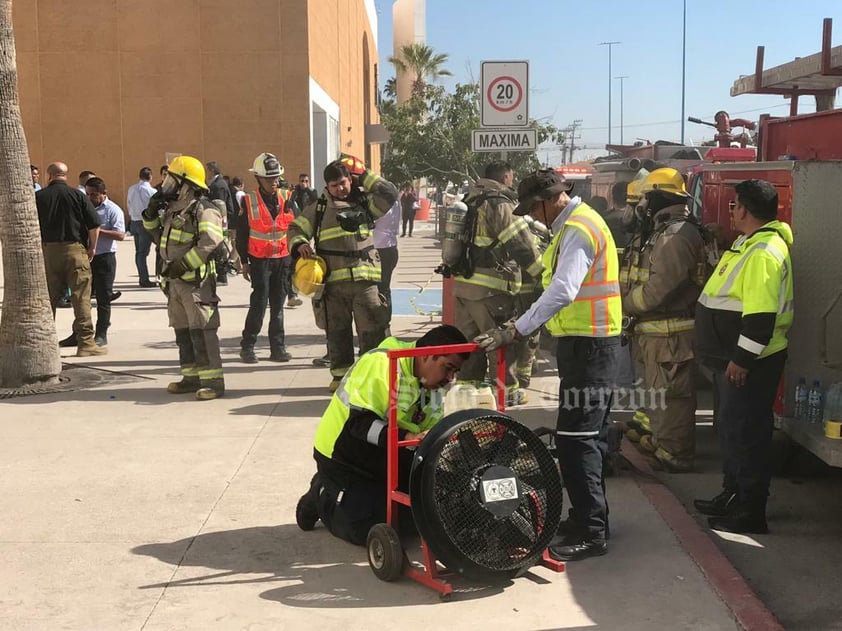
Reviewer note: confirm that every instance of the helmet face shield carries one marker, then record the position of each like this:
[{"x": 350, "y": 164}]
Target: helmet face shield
[{"x": 170, "y": 185}]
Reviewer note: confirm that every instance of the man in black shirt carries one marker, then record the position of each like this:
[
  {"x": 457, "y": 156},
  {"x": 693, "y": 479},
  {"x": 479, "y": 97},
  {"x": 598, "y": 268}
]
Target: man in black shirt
[
  {"x": 302, "y": 194},
  {"x": 69, "y": 230},
  {"x": 218, "y": 189}
]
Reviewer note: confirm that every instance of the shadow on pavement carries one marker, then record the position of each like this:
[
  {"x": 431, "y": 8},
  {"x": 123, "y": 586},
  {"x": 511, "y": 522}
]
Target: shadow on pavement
[{"x": 327, "y": 572}]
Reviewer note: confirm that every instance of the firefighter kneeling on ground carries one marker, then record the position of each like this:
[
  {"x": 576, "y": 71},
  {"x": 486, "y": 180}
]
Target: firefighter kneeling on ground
[
  {"x": 349, "y": 491},
  {"x": 188, "y": 228},
  {"x": 663, "y": 272}
]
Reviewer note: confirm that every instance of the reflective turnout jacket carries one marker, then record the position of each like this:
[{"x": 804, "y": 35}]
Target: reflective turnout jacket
[
  {"x": 189, "y": 231},
  {"x": 351, "y": 436},
  {"x": 350, "y": 255},
  {"x": 502, "y": 247},
  {"x": 746, "y": 308},
  {"x": 661, "y": 278}
]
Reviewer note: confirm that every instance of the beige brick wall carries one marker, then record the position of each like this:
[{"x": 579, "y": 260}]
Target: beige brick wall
[{"x": 111, "y": 85}]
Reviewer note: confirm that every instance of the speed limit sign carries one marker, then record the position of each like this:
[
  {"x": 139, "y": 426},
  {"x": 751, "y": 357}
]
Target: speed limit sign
[{"x": 505, "y": 94}]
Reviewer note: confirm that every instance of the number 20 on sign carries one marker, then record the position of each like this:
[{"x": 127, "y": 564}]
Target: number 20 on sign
[{"x": 505, "y": 94}]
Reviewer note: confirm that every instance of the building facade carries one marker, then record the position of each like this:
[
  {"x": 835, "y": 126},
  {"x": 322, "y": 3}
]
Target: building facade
[{"x": 115, "y": 85}]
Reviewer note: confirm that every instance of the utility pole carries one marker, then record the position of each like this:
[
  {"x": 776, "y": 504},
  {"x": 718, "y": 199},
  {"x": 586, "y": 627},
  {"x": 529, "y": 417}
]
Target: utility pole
[
  {"x": 610, "y": 46},
  {"x": 621, "y": 105},
  {"x": 683, "y": 67},
  {"x": 572, "y": 129}
]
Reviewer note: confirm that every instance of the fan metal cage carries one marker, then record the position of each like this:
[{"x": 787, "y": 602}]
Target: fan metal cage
[{"x": 486, "y": 494}]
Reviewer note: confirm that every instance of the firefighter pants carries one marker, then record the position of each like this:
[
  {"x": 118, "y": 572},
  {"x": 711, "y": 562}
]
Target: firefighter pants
[
  {"x": 745, "y": 429},
  {"x": 346, "y": 303},
  {"x": 587, "y": 369},
  {"x": 478, "y": 316},
  {"x": 669, "y": 376},
  {"x": 526, "y": 348},
  {"x": 194, "y": 314}
]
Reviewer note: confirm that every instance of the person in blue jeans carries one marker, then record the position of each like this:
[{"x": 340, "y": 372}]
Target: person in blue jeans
[{"x": 138, "y": 199}]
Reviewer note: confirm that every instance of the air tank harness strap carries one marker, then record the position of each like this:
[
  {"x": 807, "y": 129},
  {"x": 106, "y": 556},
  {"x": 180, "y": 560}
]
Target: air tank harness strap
[{"x": 351, "y": 254}]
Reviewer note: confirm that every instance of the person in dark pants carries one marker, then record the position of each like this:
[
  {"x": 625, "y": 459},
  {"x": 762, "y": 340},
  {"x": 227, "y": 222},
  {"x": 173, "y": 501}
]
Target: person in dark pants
[
  {"x": 386, "y": 243},
  {"x": 408, "y": 208},
  {"x": 262, "y": 245},
  {"x": 581, "y": 307},
  {"x": 742, "y": 320},
  {"x": 138, "y": 199},
  {"x": 112, "y": 228},
  {"x": 218, "y": 189}
]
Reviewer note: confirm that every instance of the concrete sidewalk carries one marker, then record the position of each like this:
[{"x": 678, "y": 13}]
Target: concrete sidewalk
[{"x": 125, "y": 507}]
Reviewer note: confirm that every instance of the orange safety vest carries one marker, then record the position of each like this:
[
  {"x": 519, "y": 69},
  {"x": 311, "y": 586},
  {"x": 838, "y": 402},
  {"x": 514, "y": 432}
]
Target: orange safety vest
[{"x": 267, "y": 236}]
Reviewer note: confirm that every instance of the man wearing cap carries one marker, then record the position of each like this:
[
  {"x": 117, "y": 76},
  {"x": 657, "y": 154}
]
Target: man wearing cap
[
  {"x": 262, "y": 244},
  {"x": 580, "y": 307}
]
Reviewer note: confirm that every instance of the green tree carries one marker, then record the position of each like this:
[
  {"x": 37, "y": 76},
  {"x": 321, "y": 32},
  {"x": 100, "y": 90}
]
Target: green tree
[
  {"x": 422, "y": 62},
  {"x": 430, "y": 136},
  {"x": 28, "y": 344}
]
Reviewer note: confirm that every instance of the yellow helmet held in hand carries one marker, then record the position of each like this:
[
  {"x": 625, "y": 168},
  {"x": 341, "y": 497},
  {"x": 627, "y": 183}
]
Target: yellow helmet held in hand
[
  {"x": 188, "y": 168},
  {"x": 309, "y": 276},
  {"x": 666, "y": 180}
]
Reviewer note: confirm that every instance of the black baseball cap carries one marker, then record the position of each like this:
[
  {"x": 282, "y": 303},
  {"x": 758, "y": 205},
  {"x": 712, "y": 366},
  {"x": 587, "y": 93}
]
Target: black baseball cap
[{"x": 539, "y": 186}]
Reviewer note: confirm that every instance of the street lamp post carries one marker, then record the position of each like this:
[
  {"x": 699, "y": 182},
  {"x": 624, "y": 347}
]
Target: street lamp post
[
  {"x": 683, "y": 66},
  {"x": 621, "y": 105},
  {"x": 610, "y": 46}
]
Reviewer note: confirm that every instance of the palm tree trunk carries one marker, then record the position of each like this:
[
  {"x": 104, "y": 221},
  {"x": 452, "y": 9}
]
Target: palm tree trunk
[{"x": 28, "y": 344}]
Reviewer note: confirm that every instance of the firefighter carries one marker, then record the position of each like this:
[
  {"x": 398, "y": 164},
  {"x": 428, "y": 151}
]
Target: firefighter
[
  {"x": 744, "y": 314},
  {"x": 581, "y": 307},
  {"x": 502, "y": 246},
  {"x": 662, "y": 274},
  {"x": 530, "y": 288},
  {"x": 340, "y": 224},
  {"x": 188, "y": 228},
  {"x": 262, "y": 245},
  {"x": 349, "y": 491}
]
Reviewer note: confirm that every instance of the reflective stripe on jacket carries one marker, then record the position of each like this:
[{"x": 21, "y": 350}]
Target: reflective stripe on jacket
[
  {"x": 267, "y": 236},
  {"x": 597, "y": 308}
]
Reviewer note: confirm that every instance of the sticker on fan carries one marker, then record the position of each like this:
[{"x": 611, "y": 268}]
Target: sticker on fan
[{"x": 500, "y": 490}]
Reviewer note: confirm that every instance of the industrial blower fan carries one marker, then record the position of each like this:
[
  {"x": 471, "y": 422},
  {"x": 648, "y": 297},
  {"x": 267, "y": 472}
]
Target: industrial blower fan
[{"x": 486, "y": 494}]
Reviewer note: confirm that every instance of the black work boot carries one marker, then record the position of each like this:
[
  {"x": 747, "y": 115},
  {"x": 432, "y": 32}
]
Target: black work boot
[
  {"x": 718, "y": 506},
  {"x": 279, "y": 355},
  {"x": 69, "y": 341},
  {"x": 744, "y": 518},
  {"x": 307, "y": 509},
  {"x": 185, "y": 386},
  {"x": 210, "y": 389},
  {"x": 247, "y": 355}
]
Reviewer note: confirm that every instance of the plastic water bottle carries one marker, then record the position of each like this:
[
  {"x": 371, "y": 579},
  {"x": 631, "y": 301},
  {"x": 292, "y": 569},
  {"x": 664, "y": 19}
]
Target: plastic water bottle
[
  {"x": 801, "y": 399},
  {"x": 815, "y": 399},
  {"x": 833, "y": 403}
]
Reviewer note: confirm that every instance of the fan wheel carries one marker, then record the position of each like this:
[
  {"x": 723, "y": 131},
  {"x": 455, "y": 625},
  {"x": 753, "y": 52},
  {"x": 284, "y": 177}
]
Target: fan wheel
[{"x": 385, "y": 553}]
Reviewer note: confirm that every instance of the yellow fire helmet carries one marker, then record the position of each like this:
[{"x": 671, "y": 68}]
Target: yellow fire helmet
[
  {"x": 633, "y": 194},
  {"x": 190, "y": 169},
  {"x": 309, "y": 275},
  {"x": 666, "y": 180}
]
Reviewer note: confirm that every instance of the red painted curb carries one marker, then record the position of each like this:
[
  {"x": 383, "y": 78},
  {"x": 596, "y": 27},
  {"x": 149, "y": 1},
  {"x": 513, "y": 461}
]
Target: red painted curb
[{"x": 729, "y": 584}]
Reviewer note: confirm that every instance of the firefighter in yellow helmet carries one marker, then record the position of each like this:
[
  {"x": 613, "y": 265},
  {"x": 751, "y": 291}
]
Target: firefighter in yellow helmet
[
  {"x": 340, "y": 225},
  {"x": 188, "y": 228},
  {"x": 663, "y": 272}
]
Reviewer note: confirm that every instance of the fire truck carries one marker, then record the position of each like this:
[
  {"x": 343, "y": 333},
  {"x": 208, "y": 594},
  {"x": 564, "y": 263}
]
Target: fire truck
[{"x": 802, "y": 156}]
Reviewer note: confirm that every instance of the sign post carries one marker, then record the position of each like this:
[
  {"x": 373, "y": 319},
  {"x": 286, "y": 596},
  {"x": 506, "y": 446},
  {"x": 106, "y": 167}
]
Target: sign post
[{"x": 504, "y": 109}]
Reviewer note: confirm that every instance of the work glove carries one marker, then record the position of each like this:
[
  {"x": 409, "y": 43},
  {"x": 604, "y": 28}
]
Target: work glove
[
  {"x": 157, "y": 203},
  {"x": 175, "y": 270},
  {"x": 355, "y": 165},
  {"x": 495, "y": 338}
]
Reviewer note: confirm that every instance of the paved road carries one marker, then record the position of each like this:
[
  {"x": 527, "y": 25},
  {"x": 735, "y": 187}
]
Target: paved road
[{"x": 124, "y": 507}]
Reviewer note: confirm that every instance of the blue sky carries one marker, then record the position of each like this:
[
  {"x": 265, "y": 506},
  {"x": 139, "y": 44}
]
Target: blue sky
[{"x": 569, "y": 70}]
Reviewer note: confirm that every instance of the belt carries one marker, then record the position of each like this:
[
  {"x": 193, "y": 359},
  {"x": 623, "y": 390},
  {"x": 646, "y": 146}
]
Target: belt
[{"x": 351, "y": 254}]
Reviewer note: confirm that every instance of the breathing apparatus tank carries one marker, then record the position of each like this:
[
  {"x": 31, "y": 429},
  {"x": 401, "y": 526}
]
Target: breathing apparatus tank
[{"x": 455, "y": 234}]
